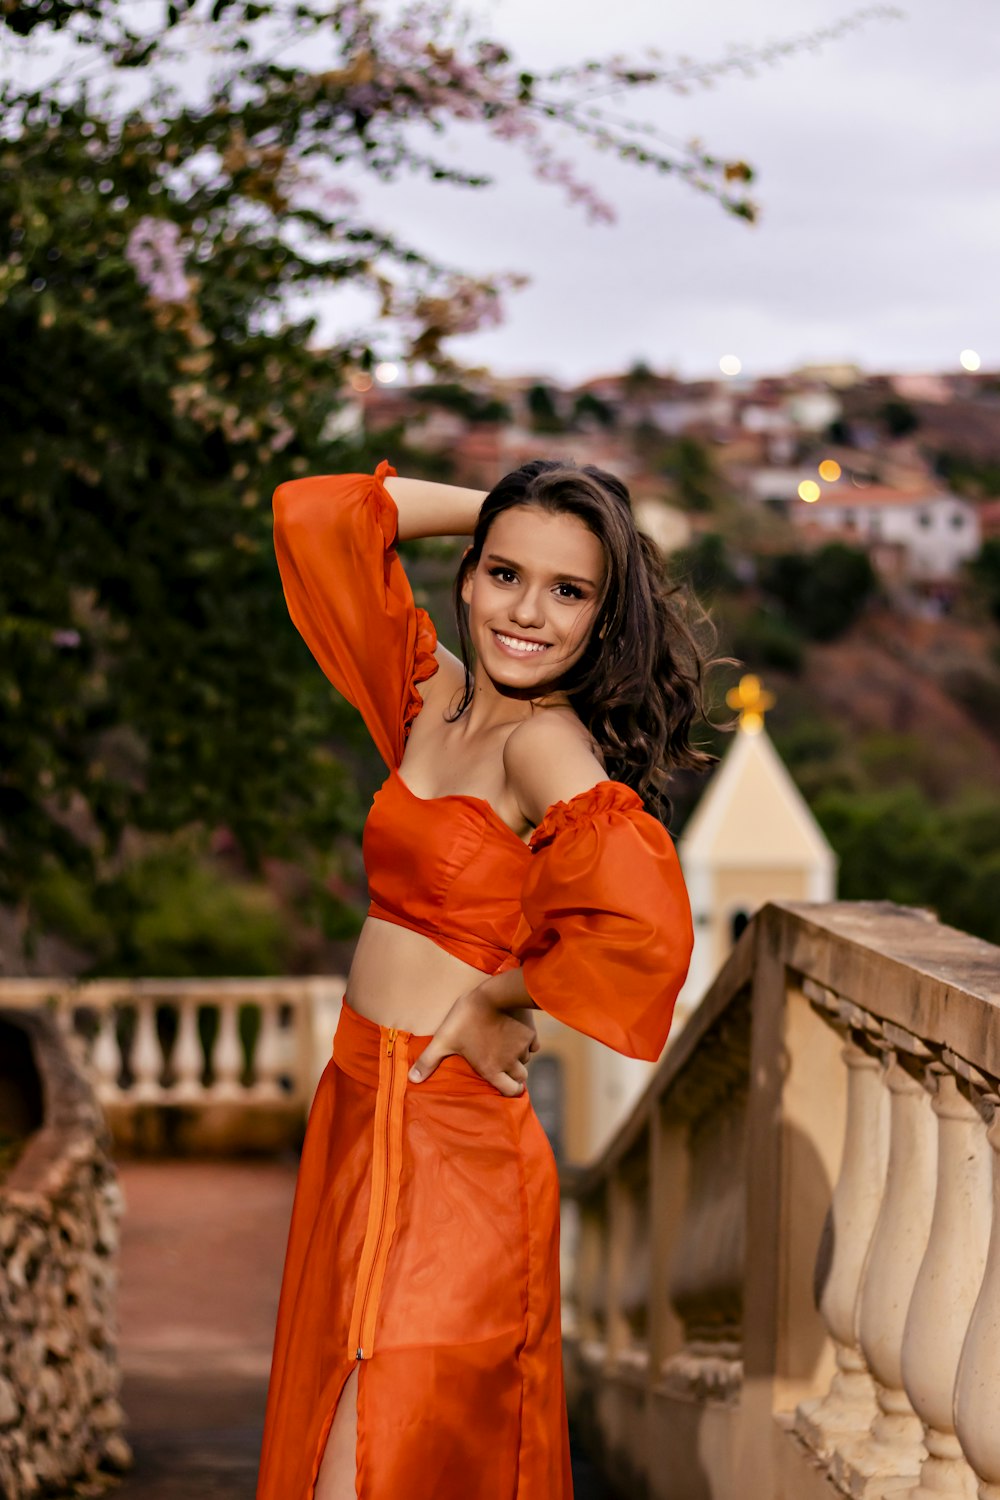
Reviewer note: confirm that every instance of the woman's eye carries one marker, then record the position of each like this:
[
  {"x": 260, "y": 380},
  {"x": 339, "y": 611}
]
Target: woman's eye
[
  {"x": 569, "y": 591},
  {"x": 505, "y": 575}
]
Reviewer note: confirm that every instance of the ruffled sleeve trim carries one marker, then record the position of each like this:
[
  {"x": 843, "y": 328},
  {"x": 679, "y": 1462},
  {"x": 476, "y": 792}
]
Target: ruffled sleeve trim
[
  {"x": 425, "y": 662},
  {"x": 385, "y": 506},
  {"x": 582, "y": 810}
]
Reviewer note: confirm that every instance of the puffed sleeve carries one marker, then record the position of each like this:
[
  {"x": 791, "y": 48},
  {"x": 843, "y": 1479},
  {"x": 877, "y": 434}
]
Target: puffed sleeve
[
  {"x": 606, "y": 936},
  {"x": 350, "y": 599}
]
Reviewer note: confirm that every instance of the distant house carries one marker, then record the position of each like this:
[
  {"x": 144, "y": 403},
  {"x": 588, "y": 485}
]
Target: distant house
[
  {"x": 778, "y": 486},
  {"x": 812, "y": 410},
  {"x": 932, "y": 533}
]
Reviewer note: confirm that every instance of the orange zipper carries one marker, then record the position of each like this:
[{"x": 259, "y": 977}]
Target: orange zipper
[{"x": 387, "y": 1157}]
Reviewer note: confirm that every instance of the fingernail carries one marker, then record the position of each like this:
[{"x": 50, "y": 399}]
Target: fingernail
[{"x": 413, "y": 1076}]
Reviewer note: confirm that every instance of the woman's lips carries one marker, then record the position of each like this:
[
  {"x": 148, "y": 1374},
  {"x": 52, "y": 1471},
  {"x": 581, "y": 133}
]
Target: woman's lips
[{"x": 519, "y": 646}]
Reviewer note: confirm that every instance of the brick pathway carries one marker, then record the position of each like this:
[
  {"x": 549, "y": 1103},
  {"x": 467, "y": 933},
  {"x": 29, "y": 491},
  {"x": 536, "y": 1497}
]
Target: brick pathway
[{"x": 202, "y": 1250}]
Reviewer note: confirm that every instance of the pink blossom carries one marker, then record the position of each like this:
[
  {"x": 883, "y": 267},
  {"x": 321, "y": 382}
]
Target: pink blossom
[
  {"x": 513, "y": 127},
  {"x": 154, "y": 252}
]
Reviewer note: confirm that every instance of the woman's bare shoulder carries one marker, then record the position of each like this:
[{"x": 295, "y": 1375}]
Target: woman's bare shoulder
[{"x": 550, "y": 757}]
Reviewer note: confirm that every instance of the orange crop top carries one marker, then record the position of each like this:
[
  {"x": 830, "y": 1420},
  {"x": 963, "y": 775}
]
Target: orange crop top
[{"x": 593, "y": 907}]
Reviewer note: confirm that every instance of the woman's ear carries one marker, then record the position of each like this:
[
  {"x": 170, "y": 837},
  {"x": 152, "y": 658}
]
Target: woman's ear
[{"x": 468, "y": 572}]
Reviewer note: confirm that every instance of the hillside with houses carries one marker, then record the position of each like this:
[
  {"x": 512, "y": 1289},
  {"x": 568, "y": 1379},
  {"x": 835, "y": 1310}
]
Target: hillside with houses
[{"x": 906, "y": 467}]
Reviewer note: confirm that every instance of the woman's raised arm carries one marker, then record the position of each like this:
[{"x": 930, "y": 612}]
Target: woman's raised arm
[
  {"x": 427, "y": 509},
  {"x": 348, "y": 594}
]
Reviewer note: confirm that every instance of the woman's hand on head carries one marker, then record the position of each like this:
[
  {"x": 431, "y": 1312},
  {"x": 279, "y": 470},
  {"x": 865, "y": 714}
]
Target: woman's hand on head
[{"x": 496, "y": 1042}]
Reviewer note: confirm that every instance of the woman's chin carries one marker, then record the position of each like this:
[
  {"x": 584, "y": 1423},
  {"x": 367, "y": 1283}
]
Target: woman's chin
[{"x": 515, "y": 680}]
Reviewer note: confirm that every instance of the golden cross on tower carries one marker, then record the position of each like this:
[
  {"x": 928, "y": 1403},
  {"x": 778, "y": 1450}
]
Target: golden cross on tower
[{"x": 752, "y": 701}]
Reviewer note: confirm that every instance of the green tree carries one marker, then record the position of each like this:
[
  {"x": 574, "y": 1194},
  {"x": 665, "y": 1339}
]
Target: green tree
[
  {"x": 968, "y": 474},
  {"x": 706, "y": 566},
  {"x": 822, "y": 592},
  {"x": 896, "y": 846},
  {"x": 689, "y": 465},
  {"x": 985, "y": 570},
  {"x": 473, "y": 405},
  {"x": 589, "y": 409},
  {"x": 900, "y": 418},
  {"x": 542, "y": 409},
  {"x": 639, "y": 377}
]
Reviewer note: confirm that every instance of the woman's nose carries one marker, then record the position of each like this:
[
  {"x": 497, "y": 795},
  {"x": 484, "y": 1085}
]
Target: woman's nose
[{"x": 526, "y": 609}]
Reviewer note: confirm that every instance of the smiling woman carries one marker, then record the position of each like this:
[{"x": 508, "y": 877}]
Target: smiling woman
[
  {"x": 515, "y": 861},
  {"x": 540, "y": 607}
]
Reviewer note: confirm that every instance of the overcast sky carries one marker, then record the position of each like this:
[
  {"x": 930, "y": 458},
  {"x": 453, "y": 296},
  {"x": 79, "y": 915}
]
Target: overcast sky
[{"x": 878, "y": 181}]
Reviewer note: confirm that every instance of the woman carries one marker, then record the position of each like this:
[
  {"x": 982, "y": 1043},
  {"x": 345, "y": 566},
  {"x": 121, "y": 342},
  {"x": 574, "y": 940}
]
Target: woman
[{"x": 417, "y": 1351}]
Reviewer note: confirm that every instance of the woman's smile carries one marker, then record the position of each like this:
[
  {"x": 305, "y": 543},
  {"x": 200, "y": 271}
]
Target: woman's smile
[{"x": 519, "y": 645}]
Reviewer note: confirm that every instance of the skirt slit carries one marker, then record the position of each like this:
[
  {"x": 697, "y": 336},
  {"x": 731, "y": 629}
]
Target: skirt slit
[{"x": 324, "y": 1438}]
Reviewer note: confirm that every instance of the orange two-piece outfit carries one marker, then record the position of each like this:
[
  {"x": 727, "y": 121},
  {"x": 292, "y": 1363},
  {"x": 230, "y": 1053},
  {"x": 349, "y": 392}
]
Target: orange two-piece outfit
[{"x": 423, "y": 1246}]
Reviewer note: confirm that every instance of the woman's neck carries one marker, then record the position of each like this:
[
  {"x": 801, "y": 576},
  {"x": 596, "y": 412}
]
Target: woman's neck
[{"x": 492, "y": 706}]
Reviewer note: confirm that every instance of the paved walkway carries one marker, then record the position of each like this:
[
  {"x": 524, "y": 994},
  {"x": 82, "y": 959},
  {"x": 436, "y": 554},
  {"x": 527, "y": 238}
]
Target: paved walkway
[{"x": 202, "y": 1250}]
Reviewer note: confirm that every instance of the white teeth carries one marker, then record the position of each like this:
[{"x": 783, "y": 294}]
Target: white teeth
[{"x": 528, "y": 647}]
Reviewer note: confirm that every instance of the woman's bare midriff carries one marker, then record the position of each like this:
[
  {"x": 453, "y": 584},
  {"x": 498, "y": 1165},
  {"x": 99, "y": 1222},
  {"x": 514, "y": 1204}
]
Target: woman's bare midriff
[{"x": 401, "y": 978}]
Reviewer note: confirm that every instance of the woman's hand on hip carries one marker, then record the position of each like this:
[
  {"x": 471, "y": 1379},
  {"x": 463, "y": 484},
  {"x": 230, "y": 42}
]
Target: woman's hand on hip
[{"x": 495, "y": 1040}]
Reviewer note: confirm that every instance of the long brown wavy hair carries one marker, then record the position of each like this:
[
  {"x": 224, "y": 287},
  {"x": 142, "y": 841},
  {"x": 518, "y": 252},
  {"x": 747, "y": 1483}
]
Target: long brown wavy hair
[{"x": 639, "y": 685}]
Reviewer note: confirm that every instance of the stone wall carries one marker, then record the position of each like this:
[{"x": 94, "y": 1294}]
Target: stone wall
[{"x": 60, "y": 1205}]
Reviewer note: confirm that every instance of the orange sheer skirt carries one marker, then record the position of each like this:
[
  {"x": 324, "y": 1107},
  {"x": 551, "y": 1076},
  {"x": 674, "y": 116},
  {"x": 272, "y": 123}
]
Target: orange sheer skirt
[{"x": 423, "y": 1250}]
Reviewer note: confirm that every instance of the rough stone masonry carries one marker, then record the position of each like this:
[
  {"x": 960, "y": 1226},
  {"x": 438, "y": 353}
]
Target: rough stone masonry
[{"x": 60, "y": 1206}]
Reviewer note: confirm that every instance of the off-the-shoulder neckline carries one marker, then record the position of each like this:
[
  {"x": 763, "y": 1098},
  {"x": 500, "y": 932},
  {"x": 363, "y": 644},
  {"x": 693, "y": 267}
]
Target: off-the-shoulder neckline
[
  {"x": 490, "y": 811},
  {"x": 480, "y": 802}
]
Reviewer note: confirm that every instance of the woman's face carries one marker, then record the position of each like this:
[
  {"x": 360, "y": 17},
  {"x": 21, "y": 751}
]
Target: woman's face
[{"x": 533, "y": 596}]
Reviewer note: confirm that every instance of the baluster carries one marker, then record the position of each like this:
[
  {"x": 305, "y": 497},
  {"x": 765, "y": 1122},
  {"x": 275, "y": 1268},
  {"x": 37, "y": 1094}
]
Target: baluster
[
  {"x": 632, "y": 1277},
  {"x": 592, "y": 1279},
  {"x": 893, "y": 1450},
  {"x": 569, "y": 1265},
  {"x": 706, "y": 1273},
  {"x": 315, "y": 1013},
  {"x": 146, "y": 1057},
  {"x": 978, "y": 1379},
  {"x": 187, "y": 1059},
  {"x": 105, "y": 1054},
  {"x": 849, "y": 1406},
  {"x": 945, "y": 1292},
  {"x": 288, "y": 1044},
  {"x": 269, "y": 1055},
  {"x": 227, "y": 1054}
]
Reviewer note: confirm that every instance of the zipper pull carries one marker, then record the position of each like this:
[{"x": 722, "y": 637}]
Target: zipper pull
[{"x": 391, "y": 1042}]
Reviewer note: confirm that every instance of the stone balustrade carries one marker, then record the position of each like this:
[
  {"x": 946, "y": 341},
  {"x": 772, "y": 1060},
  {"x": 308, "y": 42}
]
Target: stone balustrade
[
  {"x": 185, "y": 1065},
  {"x": 786, "y": 1283}
]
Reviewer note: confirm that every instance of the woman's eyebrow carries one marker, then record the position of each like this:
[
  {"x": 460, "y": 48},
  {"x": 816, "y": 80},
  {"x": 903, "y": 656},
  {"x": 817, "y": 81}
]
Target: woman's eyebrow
[{"x": 516, "y": 568}]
